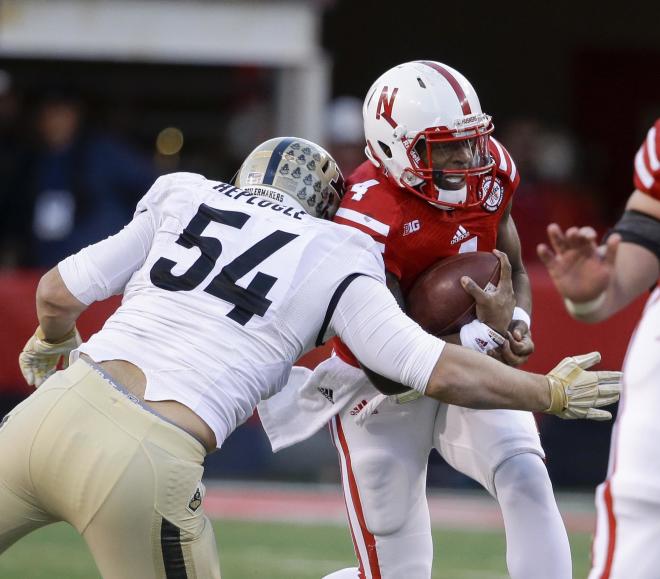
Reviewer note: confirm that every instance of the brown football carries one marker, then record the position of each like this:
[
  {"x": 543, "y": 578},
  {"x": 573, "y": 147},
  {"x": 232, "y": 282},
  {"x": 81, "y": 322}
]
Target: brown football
[{"x": 438, "y": 302}]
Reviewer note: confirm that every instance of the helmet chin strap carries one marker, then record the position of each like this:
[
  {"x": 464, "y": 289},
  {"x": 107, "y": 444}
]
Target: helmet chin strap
[{"x": 449, "y": 196}]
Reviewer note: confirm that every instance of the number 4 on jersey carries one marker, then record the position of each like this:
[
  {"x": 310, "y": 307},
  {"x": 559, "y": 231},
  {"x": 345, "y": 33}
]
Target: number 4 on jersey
[
  {"x": 249, "y": 301},
  {"x": 359, "y": 189}
]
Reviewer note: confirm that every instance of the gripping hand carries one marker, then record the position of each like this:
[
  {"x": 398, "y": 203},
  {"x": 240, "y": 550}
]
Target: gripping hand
[
  {"x": 40, "y": 358},
  {"x": 577, "y": 393}
]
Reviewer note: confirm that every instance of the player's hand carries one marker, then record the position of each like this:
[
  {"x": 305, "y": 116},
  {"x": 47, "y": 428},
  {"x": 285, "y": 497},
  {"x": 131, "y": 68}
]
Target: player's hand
[
  {"x": 580, "y": 269},
  {"x": 518, "y": 347},
  {"x": 577, "y": 393},
  {"x": 494, "y": 308},
  {"x": 40, "y": 358}
]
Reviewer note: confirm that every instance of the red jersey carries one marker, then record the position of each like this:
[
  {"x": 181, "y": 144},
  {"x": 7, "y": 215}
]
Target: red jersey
[
  {"x": 412, "y": 233},
  {"x": 647, "y": 163}
]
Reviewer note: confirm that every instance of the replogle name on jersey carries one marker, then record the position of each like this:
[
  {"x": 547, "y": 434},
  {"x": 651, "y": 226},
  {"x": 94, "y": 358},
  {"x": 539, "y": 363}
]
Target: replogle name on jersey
[{"x": 252, "y": 199}]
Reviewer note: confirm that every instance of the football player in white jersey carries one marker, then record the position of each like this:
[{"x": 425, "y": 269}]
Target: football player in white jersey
[
  {"x": 595, "y": 283},
  {"x": 223, "y": 288}
]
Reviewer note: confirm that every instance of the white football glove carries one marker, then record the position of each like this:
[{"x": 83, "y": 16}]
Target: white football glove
[
  {"x": 576, "y": 393},
  {"x": 40, "y": 358}
]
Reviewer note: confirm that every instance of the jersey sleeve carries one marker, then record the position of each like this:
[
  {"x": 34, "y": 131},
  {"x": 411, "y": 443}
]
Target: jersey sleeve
[
  {"x": 368, "y": 207},
  {"x": 506, "y": 167},
  {"x": 385, "y": 340},
  {"x": 647, "y": 163},
  {"x": 104, "y": 268},
  {"x": 366, "y": 261}
]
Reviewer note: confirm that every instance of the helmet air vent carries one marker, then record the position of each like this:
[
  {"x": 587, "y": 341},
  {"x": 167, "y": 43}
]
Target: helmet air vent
[{"x": 385, "y": 149}]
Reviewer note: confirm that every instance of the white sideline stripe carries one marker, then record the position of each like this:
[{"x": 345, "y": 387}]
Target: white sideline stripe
[
  {"x": 365, "y": 220},
  {"x": 381, "y": 247},
  {"x": 302, "y": 504}
]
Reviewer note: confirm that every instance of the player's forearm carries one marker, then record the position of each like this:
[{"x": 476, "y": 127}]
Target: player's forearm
[
  {"x": 508, "y": 241},
  {"x": 57, "y": 308},
  {"x": 522, "y": 289},
  {"x": 637, "y": 266},
  {"x": 466, "y": 378}
]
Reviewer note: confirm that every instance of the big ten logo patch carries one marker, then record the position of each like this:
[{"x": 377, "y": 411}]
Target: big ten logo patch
[{"x": 411, "y": 227}]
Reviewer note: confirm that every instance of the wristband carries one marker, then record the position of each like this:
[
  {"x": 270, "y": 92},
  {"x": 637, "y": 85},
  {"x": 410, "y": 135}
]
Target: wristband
[
  {"x": 480, "y": 337},
  {"x": 584, "y": 308},
  {"x": 522, "y": 315},
  {"x": 558, "y": 401}
]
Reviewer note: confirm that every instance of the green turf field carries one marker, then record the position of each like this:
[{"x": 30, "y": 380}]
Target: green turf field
[{"x": 275, "y": 551}]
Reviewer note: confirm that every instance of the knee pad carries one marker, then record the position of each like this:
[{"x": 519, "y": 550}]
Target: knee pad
[{"x": 385, "y": 488}]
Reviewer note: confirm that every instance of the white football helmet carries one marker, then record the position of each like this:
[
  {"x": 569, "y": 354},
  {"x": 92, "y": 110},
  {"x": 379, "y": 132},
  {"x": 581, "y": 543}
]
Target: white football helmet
[
  {"x": 421, "y": 111},
  {"x": 293, "y": 171}
]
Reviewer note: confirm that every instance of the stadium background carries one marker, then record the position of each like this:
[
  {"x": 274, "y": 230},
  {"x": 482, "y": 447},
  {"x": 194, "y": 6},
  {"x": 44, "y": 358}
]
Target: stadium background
[{"x": 194, "y": 85}]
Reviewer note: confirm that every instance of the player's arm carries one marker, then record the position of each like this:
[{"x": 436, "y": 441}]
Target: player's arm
[
  {"x": 519, "y": 345},
  {"x": 94, "y": 273},
  {"x": 508, "y": 242},
  {"x": 598, "y": 281},
  {"x": 384, "y": 339},
  {"x": 57, "y": 308}
]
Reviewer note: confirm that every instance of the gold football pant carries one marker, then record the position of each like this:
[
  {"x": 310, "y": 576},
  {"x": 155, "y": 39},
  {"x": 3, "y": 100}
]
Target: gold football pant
[{"x": 82, "y": 451}]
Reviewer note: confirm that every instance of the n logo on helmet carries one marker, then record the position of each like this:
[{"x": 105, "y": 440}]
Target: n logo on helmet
[{"x": 385, "y": 106}]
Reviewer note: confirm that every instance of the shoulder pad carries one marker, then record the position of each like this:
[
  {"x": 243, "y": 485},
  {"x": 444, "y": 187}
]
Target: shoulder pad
[{"x": 506, "y": 167}]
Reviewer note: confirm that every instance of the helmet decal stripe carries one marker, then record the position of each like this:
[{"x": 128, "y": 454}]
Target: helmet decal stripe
[
  {"x": 275, "y": 159},
  {"x": 458, "y": 89}
]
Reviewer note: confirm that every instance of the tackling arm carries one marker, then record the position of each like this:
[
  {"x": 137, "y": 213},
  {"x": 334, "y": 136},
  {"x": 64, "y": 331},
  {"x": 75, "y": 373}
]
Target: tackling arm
[
  {"x": 385, "y": 385},
  {"x": 384, "y": 339}
]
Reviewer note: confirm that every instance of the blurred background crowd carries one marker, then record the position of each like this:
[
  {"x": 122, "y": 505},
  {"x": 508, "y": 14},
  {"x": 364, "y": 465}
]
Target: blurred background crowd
[{"x": 99, "y": 97}]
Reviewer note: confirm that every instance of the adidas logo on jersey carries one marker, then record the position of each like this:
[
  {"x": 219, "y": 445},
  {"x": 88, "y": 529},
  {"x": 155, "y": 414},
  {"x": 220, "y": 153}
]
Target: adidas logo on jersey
[
  {"x": 328, "y": 393},
  {"x": 460, "y": 235},
  {"x": 482, "y": 344},
  {"x": 358, "y": 408},
  {"x": 411, "y": 227}
]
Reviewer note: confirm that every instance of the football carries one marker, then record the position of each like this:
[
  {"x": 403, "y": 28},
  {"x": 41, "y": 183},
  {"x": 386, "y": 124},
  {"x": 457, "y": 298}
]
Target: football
[{"x": 437, "y": 300}]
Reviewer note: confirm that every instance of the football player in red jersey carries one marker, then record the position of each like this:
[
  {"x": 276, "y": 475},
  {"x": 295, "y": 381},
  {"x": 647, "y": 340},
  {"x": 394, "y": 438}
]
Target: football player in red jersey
[
  {"x": 595, "y": 283},
  {"x": 436, "y": 184}
]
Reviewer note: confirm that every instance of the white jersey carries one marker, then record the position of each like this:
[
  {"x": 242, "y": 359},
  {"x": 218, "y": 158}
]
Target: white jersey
[{"x": 223, "y": 291}]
